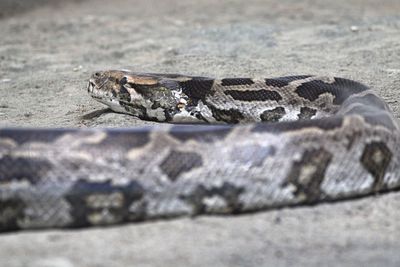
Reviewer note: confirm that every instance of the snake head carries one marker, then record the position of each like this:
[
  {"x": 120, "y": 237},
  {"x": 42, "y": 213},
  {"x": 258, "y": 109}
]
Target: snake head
[{"x": 153, "y": 97}]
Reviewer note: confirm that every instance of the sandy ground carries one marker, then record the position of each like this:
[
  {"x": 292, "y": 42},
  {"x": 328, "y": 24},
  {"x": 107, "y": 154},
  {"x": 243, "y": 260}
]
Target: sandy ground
[{"x": 48, "y": 52}]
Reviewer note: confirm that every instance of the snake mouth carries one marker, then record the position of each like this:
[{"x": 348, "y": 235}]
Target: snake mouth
[
  {"x": 107, "y": 98},
  {"x": 96, "y": 91},
  {"x": 94, "y": 87}
]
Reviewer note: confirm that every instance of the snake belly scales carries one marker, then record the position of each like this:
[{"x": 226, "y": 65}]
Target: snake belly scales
[{"x": 269, "y": 143}]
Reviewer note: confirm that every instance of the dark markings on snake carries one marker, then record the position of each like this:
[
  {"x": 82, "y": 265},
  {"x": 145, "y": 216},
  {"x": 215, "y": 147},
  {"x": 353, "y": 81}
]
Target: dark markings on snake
[
  {"x": 21, "y": 168},
  {"x": 125, "y": 139},
  {"x": 253, "y": 155},
  {"x": 178, "y": 162},
  {"x": 198, "y": 115},
  {"x": 139, "y": 88},
  {"x": 156, "y": 105},
  {"x": 123, "y": 94},
  {"x": 197, "y": 88},
  {"x": 308, "y": 173},
  {"x": 128, "y": 107},
  {"x": 328, "y": 123},
  {"x": 236, "y": 81},
  {"x": 34, "y": 135},
  {"x": 227, "y": 191},
  {"x": 169, "y": 114},
  {"x": 203, "y": 133},
  {"x": 11, "y": 211},
  {"x": 122, "y": 140},
  {"x": 273, "y": 115},
  {"x": 306, "y": 113},
  {"x": 375, "y": 159},
  {"x": 101, "y": 203},
  {"x": 341, "y": 89},
  {"x": 231, "y": 115},
  {"x": 254, "y": 95},
  {"x": 284, "y": 81},
  {"x": 139, "y": 111}
]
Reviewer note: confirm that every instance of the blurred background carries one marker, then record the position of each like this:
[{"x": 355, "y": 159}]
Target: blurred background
[
  {"x": 12, "y": 7},
  {"x": 49, "y": 48}
]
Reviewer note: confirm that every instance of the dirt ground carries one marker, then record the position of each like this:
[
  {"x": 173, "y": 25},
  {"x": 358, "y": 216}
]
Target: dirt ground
[{"x": 48, "y": 50}]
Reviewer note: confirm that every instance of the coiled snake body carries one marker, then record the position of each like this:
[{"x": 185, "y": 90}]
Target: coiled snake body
[{"x": 272, "y": 143}]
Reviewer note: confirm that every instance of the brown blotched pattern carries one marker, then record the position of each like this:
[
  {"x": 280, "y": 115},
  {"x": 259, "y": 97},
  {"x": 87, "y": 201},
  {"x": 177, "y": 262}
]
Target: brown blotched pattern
[
  {"x": 341, "y": 89},
  {"x": 17, "y": 168},
  {"x": 178, "y": 162},
  {"x": 302, "y": 140},
  {"x": 254, "y": 95},
  {"x": 236, "y": 81},
  {"x": 197, "y": 89},
  {"x": 306, "y": 113},
  {"x": 273, "y": 115},
  {"x": 308, "y": 173},
  {"x": 230, "y": 115},
  {"x": 375, "y": 159}
]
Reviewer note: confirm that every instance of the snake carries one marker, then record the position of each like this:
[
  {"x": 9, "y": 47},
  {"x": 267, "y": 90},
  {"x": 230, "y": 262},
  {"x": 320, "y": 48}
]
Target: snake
[{"x": 217, "y": 146}]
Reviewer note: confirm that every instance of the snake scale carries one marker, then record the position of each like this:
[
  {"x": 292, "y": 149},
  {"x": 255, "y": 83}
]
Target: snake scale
[{"x": 232, "y": 146}]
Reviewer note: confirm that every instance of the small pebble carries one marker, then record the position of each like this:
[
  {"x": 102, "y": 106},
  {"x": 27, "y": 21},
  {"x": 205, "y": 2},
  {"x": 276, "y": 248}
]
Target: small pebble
[
  {"x": 354, "y": 28},
  {"x": 78, "y": 68},
  {"x": 5, "y": 80}
]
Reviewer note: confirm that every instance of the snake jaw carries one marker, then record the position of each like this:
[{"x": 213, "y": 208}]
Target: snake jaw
[
  {"x": 148, "y": 96},
  {"x": 103, "y": 87},
  {"x": 141, "y": 95}
]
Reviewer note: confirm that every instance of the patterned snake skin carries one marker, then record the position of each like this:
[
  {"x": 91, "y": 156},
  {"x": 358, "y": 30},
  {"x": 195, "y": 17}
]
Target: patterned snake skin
[{"x": 300, "y": 140}]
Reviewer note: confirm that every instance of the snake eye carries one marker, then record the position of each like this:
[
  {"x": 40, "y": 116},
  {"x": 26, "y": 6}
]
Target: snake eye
[{"x": 97, "y": 74}]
